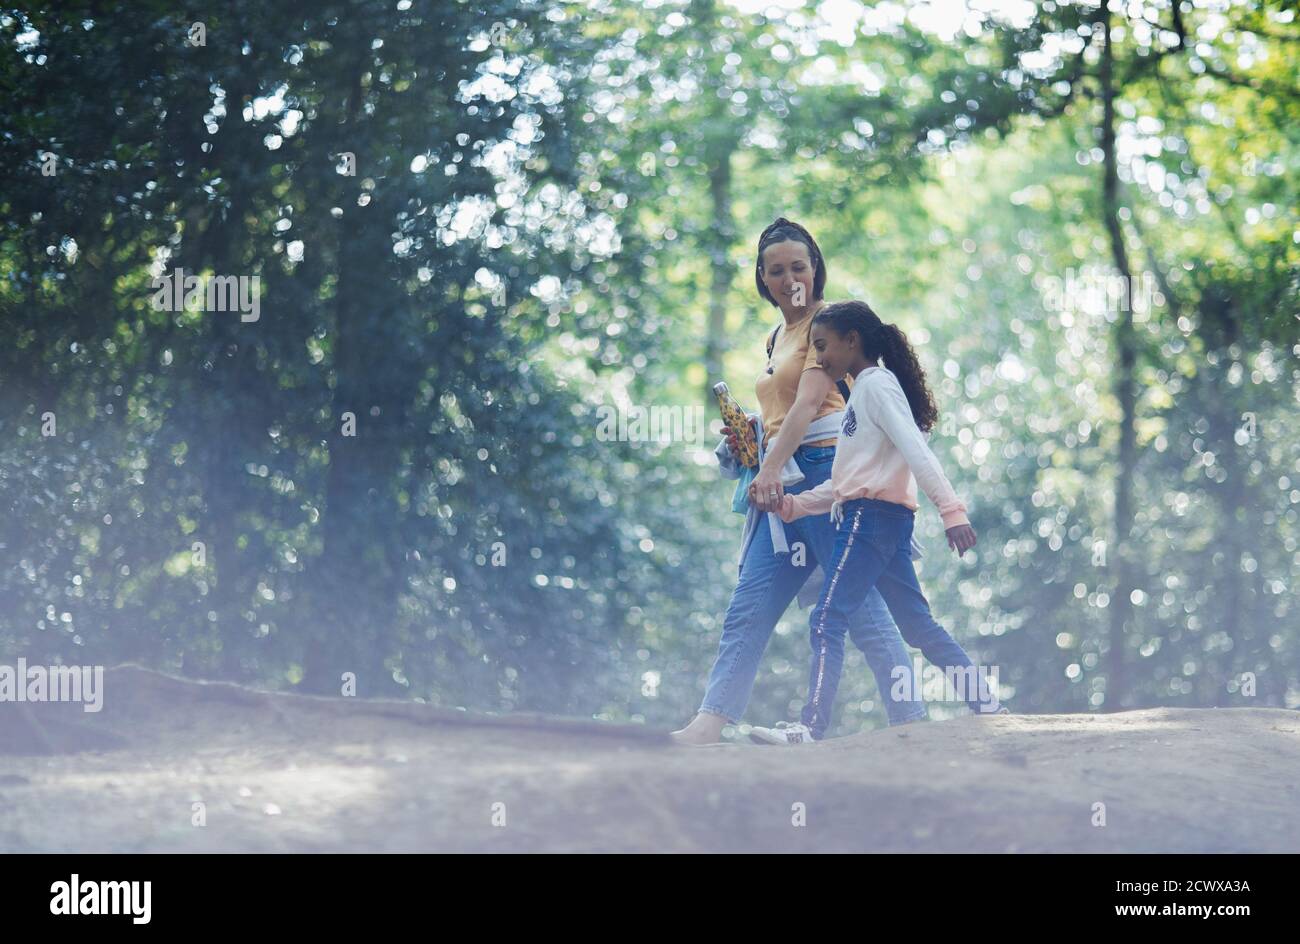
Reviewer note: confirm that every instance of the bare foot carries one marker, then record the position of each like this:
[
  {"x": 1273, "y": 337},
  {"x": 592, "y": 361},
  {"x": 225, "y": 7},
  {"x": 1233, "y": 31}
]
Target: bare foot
[{"x": 704, "y": 728}]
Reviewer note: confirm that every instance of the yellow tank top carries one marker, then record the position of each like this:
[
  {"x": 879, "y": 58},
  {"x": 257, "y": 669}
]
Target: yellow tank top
[{"x": 792, "y": 354}]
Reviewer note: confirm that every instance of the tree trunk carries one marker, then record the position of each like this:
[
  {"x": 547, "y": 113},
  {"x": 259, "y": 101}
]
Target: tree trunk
[
  {"x": 719, "y": 143},
  {"x": 1125, "y": 346},
  {"x": 721, "y": 228},
  {"x": 357, "y": 585}
]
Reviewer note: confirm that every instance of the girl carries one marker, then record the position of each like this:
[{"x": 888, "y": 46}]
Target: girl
[
  {"x": 872, "y": 497},
  {"x": 800, "y": 412}
]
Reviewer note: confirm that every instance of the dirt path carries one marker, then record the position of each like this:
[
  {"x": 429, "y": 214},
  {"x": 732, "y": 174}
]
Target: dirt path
[{"x": 289, "y": 773}]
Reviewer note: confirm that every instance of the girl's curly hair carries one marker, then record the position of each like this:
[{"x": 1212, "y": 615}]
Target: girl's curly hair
[{"x": 885, "y": 342}]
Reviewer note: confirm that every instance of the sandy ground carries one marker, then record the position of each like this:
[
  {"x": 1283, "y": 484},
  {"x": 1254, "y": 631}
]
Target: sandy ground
[{"x": 291, "y": 773}]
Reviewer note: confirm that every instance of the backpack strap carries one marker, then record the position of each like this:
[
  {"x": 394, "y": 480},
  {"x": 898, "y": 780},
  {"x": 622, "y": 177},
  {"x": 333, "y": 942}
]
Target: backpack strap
[{"x": 771, "y": 343}]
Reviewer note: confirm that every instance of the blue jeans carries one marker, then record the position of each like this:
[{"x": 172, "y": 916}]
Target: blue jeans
[
  {"x": 767, "y": 585},
  {"x": 873, "y": 553}
]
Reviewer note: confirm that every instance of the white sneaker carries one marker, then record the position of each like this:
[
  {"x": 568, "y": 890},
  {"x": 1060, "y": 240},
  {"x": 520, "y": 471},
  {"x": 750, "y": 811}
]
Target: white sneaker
[{"x": 785, "y": 732}]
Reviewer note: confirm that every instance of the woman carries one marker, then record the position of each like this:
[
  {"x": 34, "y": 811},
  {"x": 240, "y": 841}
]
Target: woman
[{"x": 800, "y": 411}]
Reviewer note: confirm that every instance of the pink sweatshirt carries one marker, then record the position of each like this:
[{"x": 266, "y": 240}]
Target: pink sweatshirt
[{"x": 882, "y": 454}]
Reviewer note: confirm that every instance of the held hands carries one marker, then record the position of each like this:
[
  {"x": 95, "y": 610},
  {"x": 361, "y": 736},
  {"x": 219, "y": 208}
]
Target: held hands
[
  {"x": 766, "y": 491},
  {"x": 786, "y": 509},
  {"x": 961, "y": 538}
]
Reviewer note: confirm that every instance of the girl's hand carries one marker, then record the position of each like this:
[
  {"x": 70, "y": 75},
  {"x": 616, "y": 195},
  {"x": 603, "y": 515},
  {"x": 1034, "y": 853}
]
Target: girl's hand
[
  {"x": 786, "y": 509},
  {"x": 766, "y": 490},
  {"x": 961, "y": 538}
]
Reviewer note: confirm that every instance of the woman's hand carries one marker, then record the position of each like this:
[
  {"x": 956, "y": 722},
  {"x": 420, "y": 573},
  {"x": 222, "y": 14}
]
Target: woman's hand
[
  {"x": 766, "y": 490},
  {"x": 786, "y": 509},
  {"x": 961, "y": 538},
  {"x": 733, "y": 441}
]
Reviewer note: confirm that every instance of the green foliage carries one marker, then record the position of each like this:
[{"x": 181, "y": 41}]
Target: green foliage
[{"x": 554, "y": 208}]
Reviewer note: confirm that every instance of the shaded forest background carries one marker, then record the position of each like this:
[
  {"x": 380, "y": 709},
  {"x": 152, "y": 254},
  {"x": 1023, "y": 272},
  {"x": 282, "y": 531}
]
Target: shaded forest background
[{"x": 475, "y": 224}]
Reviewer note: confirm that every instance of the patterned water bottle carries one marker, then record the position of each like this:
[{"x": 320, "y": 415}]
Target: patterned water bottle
[{"x": 735, "y": 418}]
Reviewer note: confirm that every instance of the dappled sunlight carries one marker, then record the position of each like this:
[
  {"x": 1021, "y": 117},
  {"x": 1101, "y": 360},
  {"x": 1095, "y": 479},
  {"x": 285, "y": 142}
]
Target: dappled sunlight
[{"x": 368, "y": 352}]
